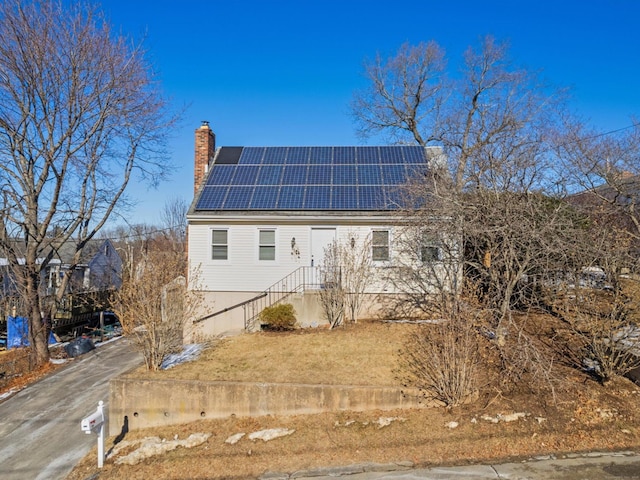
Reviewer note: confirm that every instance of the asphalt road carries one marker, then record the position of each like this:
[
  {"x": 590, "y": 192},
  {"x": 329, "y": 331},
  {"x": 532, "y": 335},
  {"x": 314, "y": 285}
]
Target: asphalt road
[{"x": 40, "y": 436}]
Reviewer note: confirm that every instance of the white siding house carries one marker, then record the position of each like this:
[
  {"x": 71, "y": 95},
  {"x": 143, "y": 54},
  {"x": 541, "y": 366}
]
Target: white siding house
[{"x": 262, "y": 217}]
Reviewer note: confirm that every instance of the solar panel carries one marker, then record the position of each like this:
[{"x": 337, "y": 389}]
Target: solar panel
[
  {"x": 344, "y": 175},
  {"x": 317, "y": 198},
  {"x": 312, "y": 178},
  {"x": 371, "y": 198},
  {"x": 367, "y": 155},
  {"x": 298, "y": 155},
  {"x": 344, "y": 155},
  {"x": 396, "y": 197},
  {"x": 211, "y": 198},
  {"x": 222, "y": 175},
  {"x": 291, "y": 197},
  {"x": 251, "y": 155},
  {"x": 369, "y": 175},
  {"x": 321, "y": 154},
  {"x": 390, "y": 155},
  {"x": 269, "y": 175},
  {"x": 344, "y": 198},
  {"x": 393, "y": 174},
  {"x": 319, "y": 175},
  {"x": 413, "y": 154},
  {"x": 245, "y": 175},
  {"x": 265, "y": 198},
  {"x": 238, "y": 198},
  {"x": 275, "y": 155},
  {"x": 294, "y": 175}
]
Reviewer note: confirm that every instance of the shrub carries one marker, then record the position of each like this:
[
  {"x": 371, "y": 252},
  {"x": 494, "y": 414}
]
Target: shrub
[
  {"x": 279, "y": 317},
  {"x": 442, "y": 361}
]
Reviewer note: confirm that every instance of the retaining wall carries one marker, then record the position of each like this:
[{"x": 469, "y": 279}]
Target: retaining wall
[{"x": 140, "y": 403}]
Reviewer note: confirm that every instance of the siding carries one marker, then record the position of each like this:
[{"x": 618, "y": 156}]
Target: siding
[{"x": 243, "y": 271}]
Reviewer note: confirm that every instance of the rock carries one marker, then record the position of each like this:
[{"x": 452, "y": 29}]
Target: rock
[
  {"x": 386, "y": 421},
  {"x": 452, "y": 425},
  {"x": 153, "y": 446},
  {"x": 512, "y": 417},
  {"x": 233, "y": 439},
  {"x": 270, "y": 434}
]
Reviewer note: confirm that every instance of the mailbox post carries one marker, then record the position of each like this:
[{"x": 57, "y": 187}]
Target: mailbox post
[{"x": 95, "y": 423}]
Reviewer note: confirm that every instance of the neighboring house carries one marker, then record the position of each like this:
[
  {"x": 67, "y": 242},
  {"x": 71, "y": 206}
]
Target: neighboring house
[
  {"x": 99, "y": 270},
  {"x": 262, "y": 217}
]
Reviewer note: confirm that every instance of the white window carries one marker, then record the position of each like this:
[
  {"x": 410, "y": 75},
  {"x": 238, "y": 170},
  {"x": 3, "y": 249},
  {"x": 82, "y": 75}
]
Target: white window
[
  {"x": 380, "y": 245},
  {"x": 430, "y": 250},
  {"x": 267, "y": 246},
  {"x": 219, "y": 245}
]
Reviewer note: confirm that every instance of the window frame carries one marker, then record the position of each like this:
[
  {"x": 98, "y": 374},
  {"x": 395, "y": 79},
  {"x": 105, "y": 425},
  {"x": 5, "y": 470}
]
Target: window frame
[
  {"x": 428, "y": 242},
  {"x": 379, "y": 246},
  {"x": 265, "y": 246},
  {"x": 215, "y": 245}
]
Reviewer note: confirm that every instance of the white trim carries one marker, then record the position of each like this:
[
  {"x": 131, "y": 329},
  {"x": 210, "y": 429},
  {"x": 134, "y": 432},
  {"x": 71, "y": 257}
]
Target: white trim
[
  {"x": 210, "y": 258},
  {"x": 387, "y": 262},
  {"x": 276, "y": 245}
]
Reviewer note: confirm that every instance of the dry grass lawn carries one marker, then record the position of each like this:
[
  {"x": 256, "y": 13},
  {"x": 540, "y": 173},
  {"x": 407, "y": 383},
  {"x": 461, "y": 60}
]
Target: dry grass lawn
[
  {"x": 586, "y": 415},
  {"x": 354, "y": 355}
]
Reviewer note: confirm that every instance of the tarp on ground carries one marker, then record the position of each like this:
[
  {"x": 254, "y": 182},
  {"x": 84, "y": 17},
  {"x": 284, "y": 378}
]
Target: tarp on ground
[{"x": 18, "y": 332}]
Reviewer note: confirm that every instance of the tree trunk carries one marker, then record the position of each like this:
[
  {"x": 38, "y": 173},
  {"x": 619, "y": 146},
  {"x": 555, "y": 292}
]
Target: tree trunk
[{"x": 38, "y": 330}]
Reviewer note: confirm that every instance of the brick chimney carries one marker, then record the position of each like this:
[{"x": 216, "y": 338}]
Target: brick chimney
[{"x": 205, "y": 149}]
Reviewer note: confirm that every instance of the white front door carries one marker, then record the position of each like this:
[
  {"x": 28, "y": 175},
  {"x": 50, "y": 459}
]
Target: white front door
[{"x": 320, "y": 239}]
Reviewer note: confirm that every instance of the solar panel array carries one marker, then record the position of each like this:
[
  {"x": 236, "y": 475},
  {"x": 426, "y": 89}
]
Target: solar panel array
[{"x": 313, "y": 178}]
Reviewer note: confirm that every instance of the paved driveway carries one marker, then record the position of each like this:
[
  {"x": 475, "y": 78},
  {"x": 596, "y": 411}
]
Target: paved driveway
[{"x": 40, "y": 436}]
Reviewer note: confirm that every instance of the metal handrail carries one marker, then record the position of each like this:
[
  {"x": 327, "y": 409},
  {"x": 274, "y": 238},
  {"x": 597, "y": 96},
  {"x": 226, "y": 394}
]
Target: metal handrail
[
  {"x": 224, "y": 310},
  {"x": 296, "y": 282}
]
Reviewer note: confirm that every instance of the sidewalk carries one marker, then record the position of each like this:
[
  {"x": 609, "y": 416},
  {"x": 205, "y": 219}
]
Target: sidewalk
[{"x": 591, "y": 466}]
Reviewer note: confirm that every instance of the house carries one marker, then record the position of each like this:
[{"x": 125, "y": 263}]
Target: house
[
  {"x": 262, "y": 217},
  {"x": 99, "y": 270}
]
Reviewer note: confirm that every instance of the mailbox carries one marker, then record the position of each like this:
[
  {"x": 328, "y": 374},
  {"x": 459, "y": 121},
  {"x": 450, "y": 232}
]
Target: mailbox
[{"x": 95, "y": 423}]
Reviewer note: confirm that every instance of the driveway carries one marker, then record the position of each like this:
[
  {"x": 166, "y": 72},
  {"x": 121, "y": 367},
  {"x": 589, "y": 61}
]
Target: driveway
[{"x": 40, "y": 436}]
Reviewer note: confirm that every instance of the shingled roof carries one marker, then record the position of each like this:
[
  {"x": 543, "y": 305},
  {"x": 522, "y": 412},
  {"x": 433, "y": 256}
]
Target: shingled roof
[{"x": 311, "y": 178}]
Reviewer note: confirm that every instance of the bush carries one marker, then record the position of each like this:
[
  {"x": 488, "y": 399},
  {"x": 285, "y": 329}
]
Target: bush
[
  {"x": 278, "y": 317},
  {"x": 442, "y": 361}
]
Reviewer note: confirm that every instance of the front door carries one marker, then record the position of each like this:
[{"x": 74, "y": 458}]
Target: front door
[{"x": 320, "y": 239}]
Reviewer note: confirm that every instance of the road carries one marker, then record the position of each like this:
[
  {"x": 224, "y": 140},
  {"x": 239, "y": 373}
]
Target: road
[
  {"x": 587, "y": 466},
  {"x": 40, "y": 436}
]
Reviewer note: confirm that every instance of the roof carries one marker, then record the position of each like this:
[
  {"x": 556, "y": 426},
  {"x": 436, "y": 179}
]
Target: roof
[
  {"x": 64, "y": 254},
  {"x": 310, "y": 178}
]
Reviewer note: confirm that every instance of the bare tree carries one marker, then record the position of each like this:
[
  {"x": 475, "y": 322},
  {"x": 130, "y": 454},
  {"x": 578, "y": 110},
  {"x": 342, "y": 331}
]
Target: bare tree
[
  {"x": 80, "y": 116},
  {"x": 332, "y": 293},
  {"x": 405, "y": 95},
  {"x": 173, "y": 220},
  {"x": 492, "y": 204},
  {"x": 154, "y": 305},
  {"x": 354, "y": 259},
  {"x": 495, "y": 125}
]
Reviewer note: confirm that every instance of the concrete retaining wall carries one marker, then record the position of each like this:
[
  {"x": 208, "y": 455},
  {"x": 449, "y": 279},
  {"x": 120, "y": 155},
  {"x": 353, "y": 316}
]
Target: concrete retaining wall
[{"x": 140, "y": 403}]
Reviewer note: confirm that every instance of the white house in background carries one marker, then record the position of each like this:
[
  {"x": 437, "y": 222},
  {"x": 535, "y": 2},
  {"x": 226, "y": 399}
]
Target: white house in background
[{"x": 262, "y": 217}]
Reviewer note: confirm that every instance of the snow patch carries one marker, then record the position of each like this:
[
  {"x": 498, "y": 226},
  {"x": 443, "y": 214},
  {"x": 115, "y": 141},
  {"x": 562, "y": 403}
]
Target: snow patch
[
  {"x": 511, "y": 417},
  {"x": 152, "y": 446},
  {"x": 270, "y": 434},
  {"x": 189, "y": 352},
  {"x": 233, "y": 439}
]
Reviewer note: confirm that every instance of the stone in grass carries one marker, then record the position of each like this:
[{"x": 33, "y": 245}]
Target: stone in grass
[
  {"x": 233, "y": 439},
  {"x": 270, "y": 434}
]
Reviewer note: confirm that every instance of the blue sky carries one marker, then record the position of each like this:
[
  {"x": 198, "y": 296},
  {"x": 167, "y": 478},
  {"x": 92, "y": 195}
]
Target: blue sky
[{"x": 283, "y": 72}]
